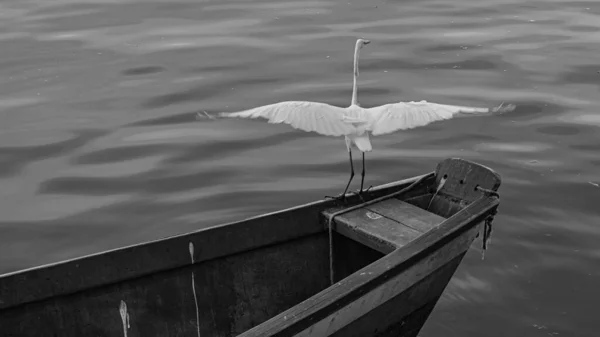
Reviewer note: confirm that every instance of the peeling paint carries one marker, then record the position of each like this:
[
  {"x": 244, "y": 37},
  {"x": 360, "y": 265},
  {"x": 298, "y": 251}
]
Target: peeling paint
[
  {"x": 191, "y": 248},
  {"x": 124, "y": 317},
  {"x": 373, "y": 216}
]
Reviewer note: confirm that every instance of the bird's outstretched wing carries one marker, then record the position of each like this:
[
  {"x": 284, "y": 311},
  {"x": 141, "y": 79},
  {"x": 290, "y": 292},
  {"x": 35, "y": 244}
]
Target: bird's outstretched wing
[
  {"x": 400, "y": 116},
  {"x": 308, "y": 116}
]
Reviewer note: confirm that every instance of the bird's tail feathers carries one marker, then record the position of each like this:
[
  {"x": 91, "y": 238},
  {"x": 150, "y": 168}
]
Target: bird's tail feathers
[{"x": 363, "y": 143}]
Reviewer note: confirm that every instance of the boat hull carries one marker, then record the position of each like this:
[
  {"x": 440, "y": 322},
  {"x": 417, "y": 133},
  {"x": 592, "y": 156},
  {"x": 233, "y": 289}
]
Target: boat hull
[{"x": 271, "y": 275}]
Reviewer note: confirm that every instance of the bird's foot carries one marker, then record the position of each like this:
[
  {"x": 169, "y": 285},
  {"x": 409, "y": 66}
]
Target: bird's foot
[
  {"x": 340, "y": 197},
  {"x": 362, "y": 193}
]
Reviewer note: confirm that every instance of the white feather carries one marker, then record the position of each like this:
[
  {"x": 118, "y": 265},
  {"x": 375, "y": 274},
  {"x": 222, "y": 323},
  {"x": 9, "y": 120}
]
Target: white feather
[
  {"x": 401, "y": 116},
  {"x": 322, "y": 118}
]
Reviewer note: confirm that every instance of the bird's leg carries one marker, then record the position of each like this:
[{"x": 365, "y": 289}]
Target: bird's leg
[
  {"x": 362, "y": 180},
  {"x": 351, "y": 173},
  {"x": 343, "y": 195}
]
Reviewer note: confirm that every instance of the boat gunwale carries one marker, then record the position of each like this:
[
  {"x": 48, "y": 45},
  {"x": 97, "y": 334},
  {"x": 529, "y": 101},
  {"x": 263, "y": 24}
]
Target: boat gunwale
[
  {"x": 21, "y": 289},
  {"x": 345, "y": 291}
]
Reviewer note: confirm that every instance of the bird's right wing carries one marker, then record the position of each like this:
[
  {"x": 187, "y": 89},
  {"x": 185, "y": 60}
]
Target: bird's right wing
[
  {"x": 400, "y": 116},
  {"x": 308, "y": 116}
]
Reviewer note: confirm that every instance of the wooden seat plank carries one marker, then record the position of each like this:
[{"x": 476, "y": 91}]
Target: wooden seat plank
[
  {"x": 373, "y": 230},
  {"x": 409, "y": 215}
]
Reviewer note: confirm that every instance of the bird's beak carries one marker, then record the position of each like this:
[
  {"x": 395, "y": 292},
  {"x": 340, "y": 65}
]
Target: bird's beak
[{"x": 366, "y": 42}]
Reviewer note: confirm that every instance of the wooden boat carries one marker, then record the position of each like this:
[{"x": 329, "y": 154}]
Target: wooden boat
[{"x": 391, "y": 259}]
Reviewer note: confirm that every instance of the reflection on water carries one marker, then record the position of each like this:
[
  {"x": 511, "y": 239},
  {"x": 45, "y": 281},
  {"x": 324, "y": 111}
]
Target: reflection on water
[{"x": 99, "y": 145}]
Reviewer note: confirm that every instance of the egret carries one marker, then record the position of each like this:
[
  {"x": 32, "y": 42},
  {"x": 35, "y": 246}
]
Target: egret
[{"x": 356, "y": 123}]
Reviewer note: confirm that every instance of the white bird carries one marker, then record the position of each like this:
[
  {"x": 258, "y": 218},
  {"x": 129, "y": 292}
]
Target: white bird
[{"x": 354, "y": 122}]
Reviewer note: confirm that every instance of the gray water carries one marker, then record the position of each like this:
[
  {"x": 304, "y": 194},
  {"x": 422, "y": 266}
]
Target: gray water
[{"x": 99, "y": 145}]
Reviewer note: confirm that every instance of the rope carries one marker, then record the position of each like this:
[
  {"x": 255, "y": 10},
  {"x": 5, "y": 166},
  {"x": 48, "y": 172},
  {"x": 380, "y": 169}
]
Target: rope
[
  {"x": 487, "y": 223},
  {"x": 487, "y": 232},
  {"x": 487, "y": 192},
  {"x": 349, "y": 209},
  {"x": 442, "y": 182}
]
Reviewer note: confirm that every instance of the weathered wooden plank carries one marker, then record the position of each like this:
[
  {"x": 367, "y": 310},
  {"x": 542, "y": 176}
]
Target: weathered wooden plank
[
  {"x": 403, "y": 311},
  {"x": 409, "y": 215},
  {"x": 231, "y": 294},
  {"x": 134, "y": 261},
  {"x": 139, "y": 260},
  {"x": 441, "y": 205},
  {"x": 421, "y": 201},
  {"x": 462, "y": 177},
  {"x": 329, "y": 301},
  {"x": 373, "y": 229},
  {"x": 394, "y": 286}
]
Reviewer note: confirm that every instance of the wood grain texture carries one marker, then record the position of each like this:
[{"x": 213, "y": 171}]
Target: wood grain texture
[
  {"x": 444, "y": 206},
  {"x": 408, "y": 215},
  {"x": 462, "y": 176},
  {"x": 373, "y": 230}
]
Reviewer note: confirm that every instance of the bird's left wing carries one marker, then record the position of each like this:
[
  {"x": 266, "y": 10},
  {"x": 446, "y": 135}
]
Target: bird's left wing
[
  {"x": 308, "y": 116},
  {"x": 400, "y": 116}
]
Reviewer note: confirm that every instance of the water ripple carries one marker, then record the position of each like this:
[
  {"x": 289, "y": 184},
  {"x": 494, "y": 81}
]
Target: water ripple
[{"x": 99, "y": 135}]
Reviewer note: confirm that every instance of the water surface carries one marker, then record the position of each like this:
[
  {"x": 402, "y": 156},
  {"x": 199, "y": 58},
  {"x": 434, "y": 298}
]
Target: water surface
[{"x": 99, "y": 146}]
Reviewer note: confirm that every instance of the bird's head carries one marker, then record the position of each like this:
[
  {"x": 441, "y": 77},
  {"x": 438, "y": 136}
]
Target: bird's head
[{"x": 362, "y": 42}]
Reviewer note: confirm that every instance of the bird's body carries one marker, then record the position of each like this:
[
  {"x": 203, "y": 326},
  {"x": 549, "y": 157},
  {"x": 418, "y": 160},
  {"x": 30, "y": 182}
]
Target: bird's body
[{"x": 354, "y": 122}]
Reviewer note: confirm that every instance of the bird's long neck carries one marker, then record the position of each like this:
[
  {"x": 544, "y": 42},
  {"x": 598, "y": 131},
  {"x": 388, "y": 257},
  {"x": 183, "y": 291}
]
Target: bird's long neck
[{"x": 354, "y": 86}]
